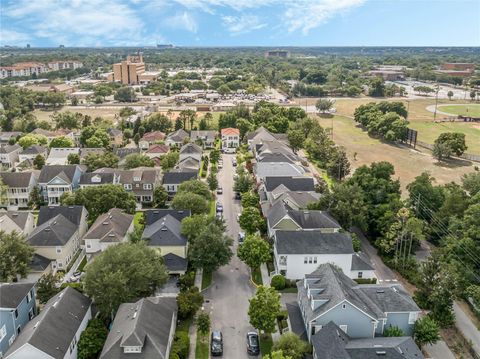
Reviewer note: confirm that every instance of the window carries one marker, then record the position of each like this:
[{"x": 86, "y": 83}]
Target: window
[
  {"x": 412, "y": 317},
  {"x": 59, "y": 250},
  {"x": 3, "y": 333},
  {"x": 283, "y": 260},
  {"x": 30, "y": 314},
  {"x": 360, "y": 274},
  {"x": 16, "y": 313},
  {"x": 18, "y": 330},
  {"x": 29, "y": 297},
  {"x": 60, "y": 265},
  {"x": 305, "y": 260},
  {"x": 89, "y": 246},
  {"x": 127, "y": 186},
  {"x": 132, "y": 349},
  {"x": 310, "y": 260},
  {"x": 344, "y": 306},
  {"x": 344, "y": 328},
  {"x": 315, "y": 260},
  {"x": 147, "y": 186},
  {"x": 12, "y": 338}
]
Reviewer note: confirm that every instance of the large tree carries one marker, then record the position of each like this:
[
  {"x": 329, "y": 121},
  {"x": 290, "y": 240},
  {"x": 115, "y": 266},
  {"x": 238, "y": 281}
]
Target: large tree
[
  {"x": 61, "y": 142},
  {"x": 122, "y": 274},
  {"x": 292, "y": 346},
  {"x": 92, "y": 339},
  {"x": 196, "y": 203},
  {"x": 264, "y": 308},
  {"x": 94, "y": 161},
  {"x": 455, "y": 141},
  {"x": 195, "y": 186},
  {"x": 135, "y": 160},
  {"x": 254, "y": 251},
  {"x": 16, "y": 254},
  {"x": 47, "y": 287},
  {"x": 160, "y": 196},
  {"x": 324, "y": 105},
  {"x": 169, "y": 161},
  {"x": 100, "y": 199},
  {"x": 426, "y": 331},
  {"x": 250, "y": 220}
]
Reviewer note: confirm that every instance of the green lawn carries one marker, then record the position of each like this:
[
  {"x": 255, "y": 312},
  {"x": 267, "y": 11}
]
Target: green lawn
[
  {"x": 137, "y": 218},
  {"x": 206, "y": 279},
  {"x": 257, "y": 276},
  {"x": 201, "y": 349},
  {"x": 184, "y": 325},
  {"x": 465, "y": 110},
  {"x": 82, "y": 264},
  {"x": 266, "y": 344},
  {"x": 213, "y": 207}
]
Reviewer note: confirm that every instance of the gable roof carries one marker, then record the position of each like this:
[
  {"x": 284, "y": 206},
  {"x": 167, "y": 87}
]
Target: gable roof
[
  {"x": 230, "y": 131},
  {"x": 361, "y": 262},
  {"x": 18, "y": 217},
  {"x": 113, "y": 132},
  {"x": 153, "y": 215},
  {"x": 191, "y": 148},
  {"x": 178, "y": 135},
  {"x": 271, "y": 169},
  {"x": 39, "y": 263},
  {"x": 301, "y": 199},
  {"x": 146, "y": 323},
  {"x": 12, "y": 294},
  {"x": 96, "y": 178},
  {"x": 33, "y": 150},
  {"x": 330, "y": 341},
  {"x": 16, "y": 179},
  {"x": 275, "y": 157},
  {"x": 111, "y": 226},
  {"x": 72, "y": 213},
  {"x": 312, "y": 242},
  {"x": 158, "y": 149},
  {"x": 175, "y": 263},
  {"x": 205, "y": 135},
  {"x": 10, "y": 148},
  {"x": 164, "y": 232},
  {"x": 153, "y": 136},
  {"x": 62, "y": 152},
  {"x": 260, "y": 133},
  {"x": 124, "y": 152},
  {"x": 177, "y": 177},
  {"x": 52, "y": 331},
  {"x": 56, "y": 232},
  {"x": 50, "y": 172},
  {"x": 293, "y": 183}
]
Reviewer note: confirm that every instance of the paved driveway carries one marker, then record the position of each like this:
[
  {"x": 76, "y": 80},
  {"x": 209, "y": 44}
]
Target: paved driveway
[{"x": 227, "y": 298}]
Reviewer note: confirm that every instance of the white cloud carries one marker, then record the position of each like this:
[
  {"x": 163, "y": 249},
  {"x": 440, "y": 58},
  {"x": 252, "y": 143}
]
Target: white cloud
[
  {"x": 183, "y": 21},
  {"x": 242, "y": 24},
  {"x": 10, "y": 37},
  {"x": 306, "y": 15}
]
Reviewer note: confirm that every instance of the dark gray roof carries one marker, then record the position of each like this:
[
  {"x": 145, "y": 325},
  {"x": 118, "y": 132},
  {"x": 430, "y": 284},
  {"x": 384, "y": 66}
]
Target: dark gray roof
[
  {"x": 164, "y": 232},
  {"x": 9, "y": 148},
  {"x": 361, "y": 262},
  {"x": 191, "y": 148},
  {"x": 178, "y": 136},
  {"x": 177, "y": 177},
  {"x": 332, "y": 343},
  {"x": 153, "y": 215},
  {"x": 111, "y": 226},
  {"x": 304, "y": 184},
  {"x": 146, "y": 323},
  {"x": 296, "y": 320},
  {"x": 39, "y": 263},
  {"x": 18, "y": 217},
  {"x": 12, "y": 294},
  {"x": 55, "y": 232},
  {"x": 33, "y": 150},
  {"x": 49, "y": 172},
  {"x": 390, "y": 298},
  {"x": 16, "y": 179},
  {"x": 175, "y": 263},
  {"x": 124, "y": 152},
  {"x": 52, "y": 331},
  {"x": 275, "y": 157},
  {"x": 105, "y": 178},
  {"x": 114, "y": 131},
  {"x": 312, "y": 242},
  {"x": 204, "y": 135},
  {"x": 72, "y": 213},
  {"x": 262, "y": 133},
  {"x": 301, "y": 199}
]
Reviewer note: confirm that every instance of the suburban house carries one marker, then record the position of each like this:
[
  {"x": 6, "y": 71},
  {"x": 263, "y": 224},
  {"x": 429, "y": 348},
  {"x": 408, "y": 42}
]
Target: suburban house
[
  {"x": 359, "y": 310},
  {"x": 188, "y": 164},
  {"x": 109, "y": 229},
  {"x": 116, "y": 137},
  {"x": 280, "y": 169},
  {"x": 177, "y": 138},
  {"x": 59, "y": 156},
  {"x": 55, "y": 332},
  {"x": 123, "y": 152},
  {"x": 190, "y": 150},
  {"x": 331, "y": 342},
  {"x": 282, "y": 217},
  {"x": 6, "y": 137},
  {"x": 76, "y": 214},
  {"x": 17, "y": 308},
  {"x": 9, "y": 155},
  {"x": 39, "y": 266},
  {"x": 157, "y": 151},
  {"x": 15, "y": 221},
  {"x": 294, "y": 200},
  {"x": 299, "y": 252},
  {"x": 31, "y": 152},
  {"x": 205, "y": 138},
  {"x": 291, "y": 183},
  {"x": 153, "y": 215},
  {"x": 84, "y": 152},
  {"x": 230, "y": 139},
  {"x": 57, "y": 239},
  {"x": 98, "y": 178},
  {"x": 173, "y": 179},
  {"x": 56, "y": 180},
  {"x": 164, "y": 234},
  {"x": 151, "y": 138},
  {"x": 258, "y": 136},
  {"x": 268, "y": 148},
  {"x": 19, "y": 187},
  {"x": 144, "y": 329}
]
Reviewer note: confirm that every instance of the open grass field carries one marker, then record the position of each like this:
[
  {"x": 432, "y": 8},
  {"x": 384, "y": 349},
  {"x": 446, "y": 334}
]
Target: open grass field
[
  {"x": 106, "y": 113},
  {"x": 409, "y": 163},
  {"x": 465, "y": 110}
]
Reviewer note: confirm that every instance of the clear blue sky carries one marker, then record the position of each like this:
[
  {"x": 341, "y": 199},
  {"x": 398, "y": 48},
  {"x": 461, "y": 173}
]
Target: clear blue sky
[{"x": 240, "y": 22}]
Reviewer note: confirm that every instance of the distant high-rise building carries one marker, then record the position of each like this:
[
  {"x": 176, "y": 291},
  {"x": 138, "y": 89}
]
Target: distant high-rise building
[
  {"x": 28, "y": 46},
  {"x": 277, "y": 53}
]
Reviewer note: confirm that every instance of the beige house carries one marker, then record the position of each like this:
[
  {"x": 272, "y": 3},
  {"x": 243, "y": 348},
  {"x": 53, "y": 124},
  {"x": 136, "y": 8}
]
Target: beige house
[
  {"x": 9, "y": 155},
  {"x": 57, "y": 239},
  {"x": 19, "y": 187},
  {"x": 20, "y": 222}
]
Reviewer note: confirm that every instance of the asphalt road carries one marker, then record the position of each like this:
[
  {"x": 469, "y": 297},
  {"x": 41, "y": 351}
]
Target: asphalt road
[{"x": 227, "y": 298}]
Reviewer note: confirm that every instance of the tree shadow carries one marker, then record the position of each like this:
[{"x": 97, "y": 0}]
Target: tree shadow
[{"x": 454, "y": 163}]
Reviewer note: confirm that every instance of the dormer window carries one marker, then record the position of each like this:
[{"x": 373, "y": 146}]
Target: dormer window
[
  {"x": 96, "y": 179},
  {"x": 132, "y": 349},
  {"x": 137, "y": 179}
]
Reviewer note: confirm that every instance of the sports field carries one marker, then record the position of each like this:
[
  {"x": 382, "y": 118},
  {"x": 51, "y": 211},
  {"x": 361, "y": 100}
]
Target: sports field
[{"x": 464, "y": 110}]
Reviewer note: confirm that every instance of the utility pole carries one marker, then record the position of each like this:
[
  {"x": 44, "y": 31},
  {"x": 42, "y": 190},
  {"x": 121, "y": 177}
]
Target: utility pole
[{"x": 436, "y": 103}]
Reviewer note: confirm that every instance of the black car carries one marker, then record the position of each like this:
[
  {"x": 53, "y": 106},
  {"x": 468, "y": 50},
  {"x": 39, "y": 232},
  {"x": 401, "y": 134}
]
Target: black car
[
  {"x": 253, "y": 344},
  {"x": 238, "y": 195},
  {"x": 216, "y": 343}
]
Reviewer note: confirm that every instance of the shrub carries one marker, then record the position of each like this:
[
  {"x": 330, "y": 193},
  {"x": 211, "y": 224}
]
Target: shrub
[
  {"x": 181, "y": 346},
  {"x": 278, "y": 282},
  {"x": 282, "y": 315},
  {"x": 366, "y": 280}
]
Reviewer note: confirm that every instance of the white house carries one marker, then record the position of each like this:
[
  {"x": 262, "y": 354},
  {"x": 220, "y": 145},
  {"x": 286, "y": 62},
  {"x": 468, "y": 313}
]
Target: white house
[
  {"x": 230, "y": 139},
  {"x": 59, "y": 156},
  {"x": 21, "y": 222},
  {"x": 9, "y": 155}
]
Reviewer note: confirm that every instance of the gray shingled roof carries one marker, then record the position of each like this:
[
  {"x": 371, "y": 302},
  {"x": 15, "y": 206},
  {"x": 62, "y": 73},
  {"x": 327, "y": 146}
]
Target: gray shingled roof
[
  {"x": 191, "y": 148},
  {"x": 178, "y": 136},
  {"x": 49, "y": 172},
  {"x": 301, "y": 199},
  {"x": 164, "y": 232},
  {"x": 33, "y": 150},
  {"x": 264, "y": 169},
  {"x": 153, "y": 215},
  {"x": 105, "y": 178},
  {"x": 298, "y": 183},
  {"x": 52, "y": 331},
  {"x": 12, "y": 294},
  {"x": 276, "y": 157},
  {"x": 175, "y": 263},
  {"x": 72, "y": 213},
  {"x": 312, "y": 242},
  {"x": 39, "y": 263},
  {"x": 16, "y": 179},
  {"x": 202, "y": 134},
  {"x": 361, "y": 262},
  {"x": 111, "y": 226},
  {"x": 9, "y": 148},
  {"x": 177, "y": 177},
  {"x": 18, "y": 217},
  {"x": 146, "y": 323},
  {"x": 330, "y": 342},
  {"x": 390, "y": 298},
  {"x": 55, "y": 232}
]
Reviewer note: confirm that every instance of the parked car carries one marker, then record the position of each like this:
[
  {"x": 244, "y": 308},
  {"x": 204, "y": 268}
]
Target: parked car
[
  {"x": 253, "y": 344},
  {"x": 238, "y": 217},
  {"x": 219, "y": 207},
  {"x": 234, "y": 162},
  {"x": 241, "y": 237},
  {"x": 216, "y": 343},
  {"x": 220, "y": 165},
  {"x": 219, "y": 190},
  {"x": 238, "y": 195},
  {"x": 75, "y": 277}
]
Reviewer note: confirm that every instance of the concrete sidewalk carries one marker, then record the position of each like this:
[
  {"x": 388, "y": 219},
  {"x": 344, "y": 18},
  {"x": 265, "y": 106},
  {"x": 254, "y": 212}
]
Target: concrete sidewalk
[
  {"x": 468, "y": 329},
  {"x": 439, "y": 350},
  {"x": 265, "y": 275}
]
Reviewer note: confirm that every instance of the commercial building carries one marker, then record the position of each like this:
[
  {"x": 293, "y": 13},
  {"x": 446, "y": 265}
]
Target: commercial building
[
  {"x": 277, "y": 53},
  {"x": 132, "y": 71}
]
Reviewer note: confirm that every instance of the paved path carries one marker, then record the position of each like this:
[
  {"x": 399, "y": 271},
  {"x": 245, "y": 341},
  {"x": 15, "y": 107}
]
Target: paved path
[
  {"x": 439, "y": 350},
  {"x": 227, "y": 298},
  {"x": 74, "y": 267},
  {"x": 265, "y": 275},
  {"x": 468, "y": 329}
]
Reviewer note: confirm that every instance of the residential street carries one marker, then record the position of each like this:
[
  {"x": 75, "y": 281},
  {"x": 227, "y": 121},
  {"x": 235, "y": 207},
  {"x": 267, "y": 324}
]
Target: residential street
[{"x": 227, "y": 298}]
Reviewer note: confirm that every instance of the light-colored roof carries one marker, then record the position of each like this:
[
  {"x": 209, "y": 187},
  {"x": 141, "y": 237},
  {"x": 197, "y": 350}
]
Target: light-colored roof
[
  {"x": 111, "y": 226},
  {"x": 229, "y": 131}
]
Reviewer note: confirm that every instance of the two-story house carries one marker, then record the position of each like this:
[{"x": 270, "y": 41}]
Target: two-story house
[
  {"x": 56, "y": 180},
  {"x": 29, "y": 153},
  {"x": 55, "y": 332},
  {"x": 171, "y": 180},
  {"x": 142, "y": 330},
  {"x": 7, "y": 137},
  {"x": 9, "y": 155},
  {"x": 230, "y": 139},
  {"x": 205, "y": 138},
  {"x": 59, "y": 156},
  {"x": 109, "y": 229},
  {"x": 177, "y": 138},
  {"x": 360, "y": 310},
  {"x": 15, "y": 221},
  {"x": 19, "y": 187},
  {"x": 76, "y": 214},
  {"x": 151, "y": 138},
  {"x": 88, "y": 179},
  {"x": 17, "y": 308}
]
